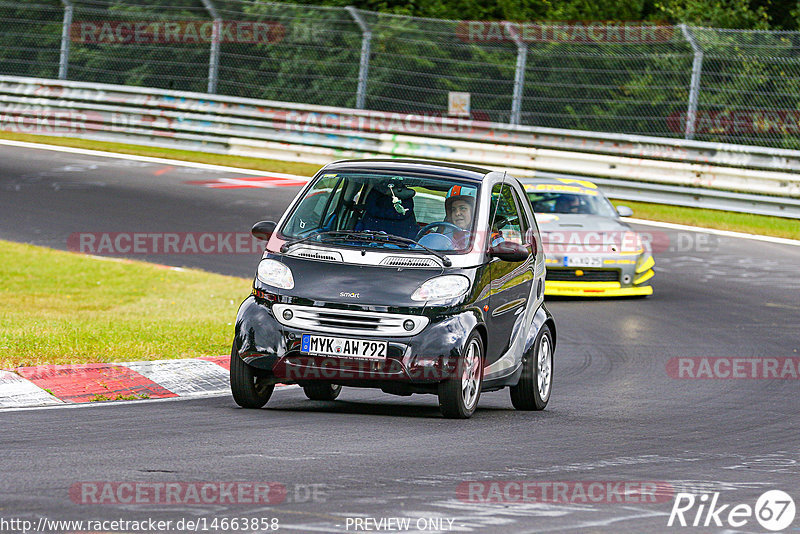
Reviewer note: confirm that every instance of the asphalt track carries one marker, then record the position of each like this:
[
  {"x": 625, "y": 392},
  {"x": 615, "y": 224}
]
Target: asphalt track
[{"x": 616, "y": 414}]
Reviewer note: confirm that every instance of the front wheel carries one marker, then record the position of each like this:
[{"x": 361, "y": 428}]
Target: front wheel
[
  {"x": 458, "y": 396},
  {"x": 322, "y": 392},
  {"x": 250, "y": 390},
  {"x": 533, "y": 390}
]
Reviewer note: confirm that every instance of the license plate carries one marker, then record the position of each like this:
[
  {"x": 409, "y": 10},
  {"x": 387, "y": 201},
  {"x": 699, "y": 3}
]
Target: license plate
[
  {"x": 343, "y": 347},
  {"x": 583, "y": 261}
]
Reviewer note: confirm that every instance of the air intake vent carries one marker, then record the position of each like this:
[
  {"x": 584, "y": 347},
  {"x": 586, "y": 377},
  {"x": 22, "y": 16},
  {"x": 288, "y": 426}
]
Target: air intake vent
[
  {"x": 589, "y": 275},
  {"x": 319, "y": 255},
  {"x": 348, "y": 322},
  {"x": 404, "y": 261}
]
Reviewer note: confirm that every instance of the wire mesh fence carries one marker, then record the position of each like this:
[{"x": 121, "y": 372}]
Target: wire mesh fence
[{"x": 703, "y": 83}]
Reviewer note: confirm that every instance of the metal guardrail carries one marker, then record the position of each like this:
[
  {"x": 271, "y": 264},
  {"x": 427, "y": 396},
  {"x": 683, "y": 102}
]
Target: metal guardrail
[{"x": 718, "y": 176}]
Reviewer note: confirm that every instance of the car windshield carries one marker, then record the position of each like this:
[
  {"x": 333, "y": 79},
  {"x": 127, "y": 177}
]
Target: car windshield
[
  {"x": 583, "y": 202},
  {"x": 358, "y": 208}
]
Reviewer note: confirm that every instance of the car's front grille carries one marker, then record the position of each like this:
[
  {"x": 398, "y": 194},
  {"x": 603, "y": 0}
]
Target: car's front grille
[
  {"x": 347, "y": 322},
  {"x": 589, "y": 275}
]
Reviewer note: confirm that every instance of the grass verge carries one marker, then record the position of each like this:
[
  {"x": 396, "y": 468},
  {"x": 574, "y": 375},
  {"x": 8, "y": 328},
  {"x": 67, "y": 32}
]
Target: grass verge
[
  {"x": 61, "y": 307},
  {"x": 721, "y": 220}
]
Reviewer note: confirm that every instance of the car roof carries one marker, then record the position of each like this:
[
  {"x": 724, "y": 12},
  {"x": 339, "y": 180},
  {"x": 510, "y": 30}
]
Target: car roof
[
  {"x": 439, "y": 168},
  {"x": 560, "y": 185}
]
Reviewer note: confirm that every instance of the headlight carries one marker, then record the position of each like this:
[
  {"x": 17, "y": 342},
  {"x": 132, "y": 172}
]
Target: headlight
[
  {"x": 276, "y": 274},
  {"x": 442, "y": 287}
]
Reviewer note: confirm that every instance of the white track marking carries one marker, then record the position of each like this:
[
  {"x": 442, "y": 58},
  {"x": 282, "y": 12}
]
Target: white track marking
[
  {"x": 725, "y": 233},
  {"x": 148, "y": 159},
  {"x": 188, "y": 377},
  {"x": 81, "y": 405},
  {"x": 16, "y": 392}
]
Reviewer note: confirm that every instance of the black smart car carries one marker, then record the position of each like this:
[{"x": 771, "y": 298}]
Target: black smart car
[{"x": 405, "y": 275}]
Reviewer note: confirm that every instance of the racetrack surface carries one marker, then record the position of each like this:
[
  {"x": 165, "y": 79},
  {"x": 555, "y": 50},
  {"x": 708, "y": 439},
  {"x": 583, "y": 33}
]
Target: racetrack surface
[{"x": 616, "y": 414}]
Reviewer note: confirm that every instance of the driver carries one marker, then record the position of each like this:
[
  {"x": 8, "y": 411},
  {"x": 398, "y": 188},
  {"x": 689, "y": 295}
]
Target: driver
[
  {"x": 568, "y": 204},
  {"x": 459, "y": 209},
  {"x": 454, "y": 232}
]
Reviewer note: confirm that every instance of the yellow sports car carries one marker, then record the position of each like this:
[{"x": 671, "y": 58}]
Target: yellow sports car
[{"x": 589, "y": 250}]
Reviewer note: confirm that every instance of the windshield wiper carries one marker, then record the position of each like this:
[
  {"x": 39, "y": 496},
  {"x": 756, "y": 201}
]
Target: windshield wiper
[
  {"x": 368, "y": 235},
  {"x": 396, "y": 239},
  {"x": 329, "y": 233}
]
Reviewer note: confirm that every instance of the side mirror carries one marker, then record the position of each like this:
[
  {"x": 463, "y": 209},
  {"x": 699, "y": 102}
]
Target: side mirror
[
  {"x": 263, "y": 230},
  {"x": 509, "y": 251},
  {"x": 624, "y": 211}
]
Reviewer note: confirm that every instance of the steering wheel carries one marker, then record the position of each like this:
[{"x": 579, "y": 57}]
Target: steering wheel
[{"x": 429, "y": 227}]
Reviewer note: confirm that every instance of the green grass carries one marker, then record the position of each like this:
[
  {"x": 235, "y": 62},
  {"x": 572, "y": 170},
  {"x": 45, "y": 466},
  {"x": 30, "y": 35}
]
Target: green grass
[
  {"x": 270, "y": 165},
  {"x": 721, "y": 220},
  {"x": 61, "y": 307},
  {"x": 104, "y": 398}
]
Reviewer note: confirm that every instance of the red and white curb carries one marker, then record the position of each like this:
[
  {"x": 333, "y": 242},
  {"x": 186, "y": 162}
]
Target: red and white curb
[{"x": 49, "y": 385}]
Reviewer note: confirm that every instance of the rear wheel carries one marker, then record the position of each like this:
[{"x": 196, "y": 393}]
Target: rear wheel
[
  {"x": 322, "y": 392},
  {"x": 250, "y": 389},
  {"x": 533, "y": 390},
  {"x": 458, "y": 396}
]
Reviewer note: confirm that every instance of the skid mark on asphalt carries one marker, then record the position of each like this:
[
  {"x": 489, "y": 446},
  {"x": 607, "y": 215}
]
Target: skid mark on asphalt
[
  {"x": 163, "y": 170},
  {"x": 264, "y": 182}
]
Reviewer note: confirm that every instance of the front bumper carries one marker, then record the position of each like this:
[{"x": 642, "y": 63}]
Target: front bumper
[
  {"x": 427, "y": 357},
  {"x": 595, "y": 289},
  {"x": 631, "y": 278}
]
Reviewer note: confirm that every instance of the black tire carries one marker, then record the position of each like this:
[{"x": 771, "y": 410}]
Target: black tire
[
  {"x": 536, "y": 383},
  {"x": 321, "y": 391},
  {"x": 249, "y": 388},
  {"x": 459, "y": 395}
]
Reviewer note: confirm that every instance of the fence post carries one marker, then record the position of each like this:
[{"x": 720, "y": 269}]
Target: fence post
[
  {"x": 363, "y": 65},
  {"x": 694, "y": 89},
  {"x": 213, "y": 56},
  {"x": 63, "y": 62},
  {"x": 519, "y": 74}
]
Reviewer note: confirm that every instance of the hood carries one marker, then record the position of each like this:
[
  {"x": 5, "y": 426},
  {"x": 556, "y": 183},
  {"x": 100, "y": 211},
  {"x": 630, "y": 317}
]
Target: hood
[
  {"x": 585, "y": 233},
  {"x": 356, "y": 285}
]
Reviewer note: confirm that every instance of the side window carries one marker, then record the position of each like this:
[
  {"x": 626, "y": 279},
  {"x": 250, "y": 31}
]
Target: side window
[
  {"x": 507, "y": 225},
  {"x": 315, "y": 212}
]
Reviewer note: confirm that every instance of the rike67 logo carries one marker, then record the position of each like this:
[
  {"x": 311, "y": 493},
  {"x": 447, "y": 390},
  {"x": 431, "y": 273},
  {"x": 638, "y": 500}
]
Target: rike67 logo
[{"x": 774, "y": 510}]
